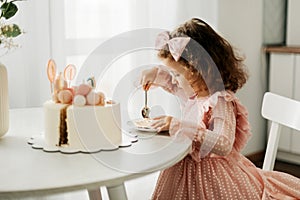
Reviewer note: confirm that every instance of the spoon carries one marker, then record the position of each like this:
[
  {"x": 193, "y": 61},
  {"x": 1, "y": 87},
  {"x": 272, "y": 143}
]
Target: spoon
[{"x": 146, "y": 110}]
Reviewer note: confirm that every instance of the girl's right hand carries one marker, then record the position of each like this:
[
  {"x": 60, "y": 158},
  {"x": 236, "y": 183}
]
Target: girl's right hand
[
  {"x": 161, "y": 123},
  {"x": 147, "y": 78}
]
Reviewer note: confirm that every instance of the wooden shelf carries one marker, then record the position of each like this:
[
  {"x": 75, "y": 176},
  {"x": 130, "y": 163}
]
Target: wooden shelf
[{"x": 282, "y": 49}]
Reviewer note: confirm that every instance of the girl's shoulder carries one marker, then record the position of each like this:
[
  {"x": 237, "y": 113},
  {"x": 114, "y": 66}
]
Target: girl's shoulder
[{"x": 212, "y": 100}]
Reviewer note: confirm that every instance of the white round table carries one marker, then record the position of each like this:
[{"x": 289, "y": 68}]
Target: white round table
[{"x": 28, "y": 172}]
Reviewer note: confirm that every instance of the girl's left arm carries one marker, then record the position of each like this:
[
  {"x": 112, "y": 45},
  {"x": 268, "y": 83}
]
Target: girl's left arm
[{"x": 219, "y": 137}]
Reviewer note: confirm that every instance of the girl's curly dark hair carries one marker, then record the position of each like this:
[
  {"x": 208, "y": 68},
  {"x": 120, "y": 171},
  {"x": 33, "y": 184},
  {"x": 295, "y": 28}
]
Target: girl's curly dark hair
[{"x": 209, "y": 55}]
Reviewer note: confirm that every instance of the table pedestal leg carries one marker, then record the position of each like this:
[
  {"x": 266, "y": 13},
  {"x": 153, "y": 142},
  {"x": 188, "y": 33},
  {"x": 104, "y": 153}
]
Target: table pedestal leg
[
  {"x": 117, "y": 192},
  {"x": 95, "y": 194}
]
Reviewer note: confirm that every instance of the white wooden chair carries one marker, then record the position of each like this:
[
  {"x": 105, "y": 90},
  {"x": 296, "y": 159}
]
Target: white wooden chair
[{"x": 280, "y": 111}]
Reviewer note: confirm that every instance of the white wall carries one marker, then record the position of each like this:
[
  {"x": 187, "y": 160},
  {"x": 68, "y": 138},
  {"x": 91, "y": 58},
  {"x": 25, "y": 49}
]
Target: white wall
[
  {"x": 28, "y": 84},
  {"x": 240, "y": 22},
  {"x": 26, "y": 65}
]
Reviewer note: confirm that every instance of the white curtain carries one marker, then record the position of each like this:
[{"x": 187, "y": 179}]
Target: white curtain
[{"x": 69, "y": 30}]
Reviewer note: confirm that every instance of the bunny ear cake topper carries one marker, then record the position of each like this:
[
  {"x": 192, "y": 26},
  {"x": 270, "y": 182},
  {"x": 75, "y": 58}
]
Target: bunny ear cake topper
[
  {"x": 51, "y": 72},
  {"x": 70, "y": 73},
  {"x": 58, "y": 80}
]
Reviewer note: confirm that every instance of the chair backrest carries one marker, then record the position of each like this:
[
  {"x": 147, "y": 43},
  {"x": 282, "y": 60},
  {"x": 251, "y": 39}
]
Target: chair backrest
[{"x": 280, "y": 111}]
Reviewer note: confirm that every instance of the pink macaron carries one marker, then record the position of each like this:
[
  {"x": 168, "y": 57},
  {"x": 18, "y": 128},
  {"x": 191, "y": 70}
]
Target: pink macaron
[
  {"x": 83, "y": 89},
  {"x": 65, "y": 96}
]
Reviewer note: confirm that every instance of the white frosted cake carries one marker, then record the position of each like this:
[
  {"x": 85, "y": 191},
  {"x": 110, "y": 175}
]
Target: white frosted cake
[
  {"x": 78, "y": 117},
  {"x": 82, "y": 127}
]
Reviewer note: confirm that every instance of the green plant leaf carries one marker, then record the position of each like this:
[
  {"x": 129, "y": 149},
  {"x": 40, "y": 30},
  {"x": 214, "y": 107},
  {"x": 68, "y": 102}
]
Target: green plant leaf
[
  {"x": 9, "y": 9},
  {"x": 12, "y": 30}
]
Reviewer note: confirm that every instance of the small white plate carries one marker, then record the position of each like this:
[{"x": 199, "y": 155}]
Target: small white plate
[{"x": 142, "y": 125}]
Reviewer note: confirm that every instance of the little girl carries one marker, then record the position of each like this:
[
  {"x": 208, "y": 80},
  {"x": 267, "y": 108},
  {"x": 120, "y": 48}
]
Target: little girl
[{"x": 204, "y": 72}]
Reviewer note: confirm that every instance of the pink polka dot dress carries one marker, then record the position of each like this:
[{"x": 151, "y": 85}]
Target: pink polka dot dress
[{"x": 215, "y": 169}]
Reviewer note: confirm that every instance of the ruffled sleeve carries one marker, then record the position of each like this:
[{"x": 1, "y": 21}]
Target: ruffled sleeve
[
  {"x": 243, "y": 130},
  {"x": 228, "y": 125},
  {"x": 242, "y": 127}
]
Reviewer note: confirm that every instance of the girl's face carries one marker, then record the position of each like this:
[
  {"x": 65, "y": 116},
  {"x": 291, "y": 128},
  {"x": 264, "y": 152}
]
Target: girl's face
[{"x": 180, "y": 74}]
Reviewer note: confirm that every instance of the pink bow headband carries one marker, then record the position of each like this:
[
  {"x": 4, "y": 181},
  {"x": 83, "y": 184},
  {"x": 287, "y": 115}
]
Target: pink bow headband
[{"x": 176, "y": 45}]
